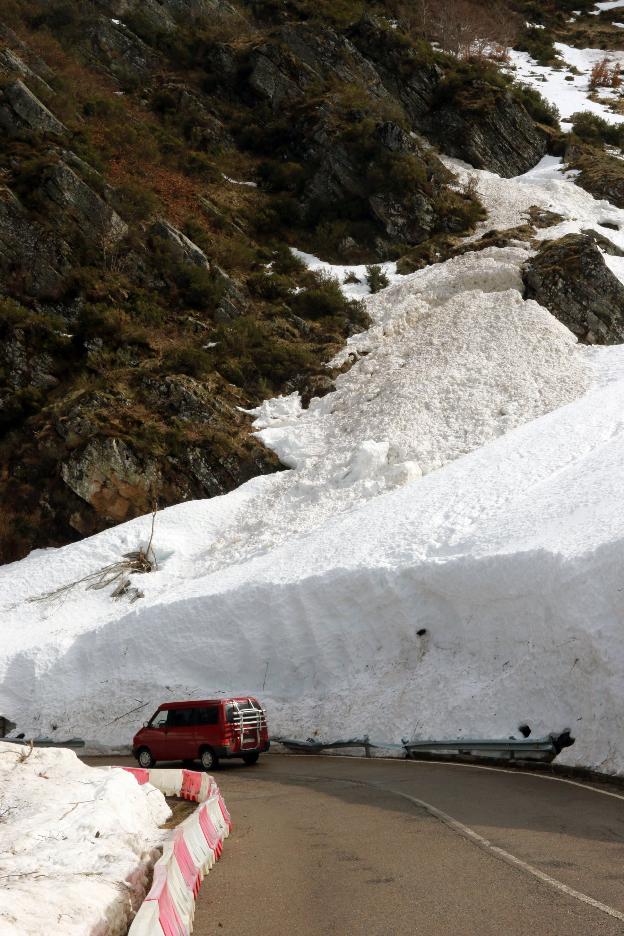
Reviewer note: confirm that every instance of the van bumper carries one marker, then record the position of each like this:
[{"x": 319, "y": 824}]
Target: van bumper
[{"x": 225, "y": 752}]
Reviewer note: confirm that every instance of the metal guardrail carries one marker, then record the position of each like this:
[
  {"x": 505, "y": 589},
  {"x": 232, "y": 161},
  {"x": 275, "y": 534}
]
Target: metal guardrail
[
  {"x": 544, "y": 749},
  {"x": 315, "y": 747},
  {"x": 72, "y": 743}
]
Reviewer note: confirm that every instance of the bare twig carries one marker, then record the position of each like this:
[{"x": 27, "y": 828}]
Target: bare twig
[
  {"x": 24, "y": 755},
  {"x": 116, "y": 574}
]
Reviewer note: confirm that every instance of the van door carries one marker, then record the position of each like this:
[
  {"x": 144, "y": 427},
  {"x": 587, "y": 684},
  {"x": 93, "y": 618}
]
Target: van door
[
  {"x": 180, "y": 735},
  {"x": 207, "y": 728},
  {"x": 154, "y": 735}
]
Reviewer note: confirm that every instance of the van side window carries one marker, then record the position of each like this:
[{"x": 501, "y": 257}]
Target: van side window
[
  {"x": 180, "y": 718},
  {"x": 207, "y": 716}
]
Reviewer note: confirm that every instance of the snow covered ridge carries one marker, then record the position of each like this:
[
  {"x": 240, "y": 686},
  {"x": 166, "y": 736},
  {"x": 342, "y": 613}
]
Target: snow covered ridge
[{"x": 76, "y": 844}]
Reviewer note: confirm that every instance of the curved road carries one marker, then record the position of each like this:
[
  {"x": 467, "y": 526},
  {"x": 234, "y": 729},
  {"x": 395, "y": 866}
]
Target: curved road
[{"x": 339, "y": 846}]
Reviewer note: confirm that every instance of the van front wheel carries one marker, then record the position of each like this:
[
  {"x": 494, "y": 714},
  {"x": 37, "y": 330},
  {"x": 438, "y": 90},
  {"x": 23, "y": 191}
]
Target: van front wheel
[
  {"x": 209, "y": 759},
  {"x": 251, "y": 758},
  {"x": 145, "y": 759}
]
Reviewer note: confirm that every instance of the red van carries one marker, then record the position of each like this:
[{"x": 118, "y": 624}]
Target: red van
[{"x": 205, "y": 730}]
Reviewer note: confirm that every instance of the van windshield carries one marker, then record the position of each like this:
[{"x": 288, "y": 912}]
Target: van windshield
[{"x": 158, "y": 720}]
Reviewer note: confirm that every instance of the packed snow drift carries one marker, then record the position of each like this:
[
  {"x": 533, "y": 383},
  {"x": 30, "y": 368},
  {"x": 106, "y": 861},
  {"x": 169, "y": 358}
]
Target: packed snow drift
[
  {"x": 77, "y": 844},
  {"x": 443, "y": 557}
]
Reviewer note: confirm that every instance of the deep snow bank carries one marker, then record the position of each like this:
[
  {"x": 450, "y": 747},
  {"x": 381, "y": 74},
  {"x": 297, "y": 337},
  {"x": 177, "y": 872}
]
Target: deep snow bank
[
  {"x": 511, "y": 559},
  {"x": 454, "y": 359},
  {"x": 75, "y": 841}
]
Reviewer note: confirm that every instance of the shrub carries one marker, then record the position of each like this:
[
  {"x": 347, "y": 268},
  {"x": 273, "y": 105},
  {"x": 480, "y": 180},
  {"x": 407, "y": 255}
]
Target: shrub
[
  {"x": 187, "y": 359},
  {"x": 592, "y": 129},
  {"x": 605, "y": 76},
  {"x": 269, "y": 286},
  {"x": 539, "y": 43},
  {"x": 376, "y": 278},
  {"x": 135, "y": 203},
  {"x": 538, "y": 107},
  {"x": 325, "y": 300},
  {"x": 285, "y": 261},
  {"x": 281, "y": 176},
  {"x": 198, "y": 287}
]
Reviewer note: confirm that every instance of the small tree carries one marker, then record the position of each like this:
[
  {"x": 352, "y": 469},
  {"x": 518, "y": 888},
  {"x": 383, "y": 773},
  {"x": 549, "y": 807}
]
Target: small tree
[{"x": 376, "y": 278}]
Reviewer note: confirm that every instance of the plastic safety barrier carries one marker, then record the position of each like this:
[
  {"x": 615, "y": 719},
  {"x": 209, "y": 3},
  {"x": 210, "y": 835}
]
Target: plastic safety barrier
[
  {"x": 140, "y": 774},
  {"x": 188, "y": 784},
  {"x": 188, "y": 854}
]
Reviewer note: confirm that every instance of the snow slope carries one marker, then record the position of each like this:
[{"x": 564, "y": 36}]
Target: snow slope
[
  {"x": 567, "y": 87},
  {"x": 510, "y": 558},
  {"x": 76, "y": 844}
]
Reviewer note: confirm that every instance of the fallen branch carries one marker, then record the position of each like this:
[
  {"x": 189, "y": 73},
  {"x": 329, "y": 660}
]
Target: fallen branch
[
  {"x": 24, "y": 755},
  {"x": 139, "y": 561}
]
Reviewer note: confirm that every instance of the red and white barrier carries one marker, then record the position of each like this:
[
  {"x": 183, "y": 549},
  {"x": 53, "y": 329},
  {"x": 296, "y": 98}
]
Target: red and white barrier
[{"x": 189, "y": 854}]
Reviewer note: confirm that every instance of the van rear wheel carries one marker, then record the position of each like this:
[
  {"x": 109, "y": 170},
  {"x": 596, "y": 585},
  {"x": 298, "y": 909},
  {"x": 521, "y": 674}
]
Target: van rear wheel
[
  {"x": 145, "y": 759},
  {"x": 209, "y": 759},
  {"x": 251, "y": 758}
]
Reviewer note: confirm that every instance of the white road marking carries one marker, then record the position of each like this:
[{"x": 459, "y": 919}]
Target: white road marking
[{"x": 506, "y": 856}]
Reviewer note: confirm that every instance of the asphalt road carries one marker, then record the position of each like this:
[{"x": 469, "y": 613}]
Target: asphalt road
[{"x": 328, "y": 846}]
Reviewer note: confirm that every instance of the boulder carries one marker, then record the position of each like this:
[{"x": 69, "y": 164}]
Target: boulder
[
  {"x": 21, "y": 110},
  {"x": 112, "y": 478},
  {"x": 570, "y": 278}
]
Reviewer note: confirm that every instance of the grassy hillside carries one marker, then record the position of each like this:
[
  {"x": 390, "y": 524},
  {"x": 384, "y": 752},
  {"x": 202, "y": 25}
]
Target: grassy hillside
[{"x": 157, "y": 161}]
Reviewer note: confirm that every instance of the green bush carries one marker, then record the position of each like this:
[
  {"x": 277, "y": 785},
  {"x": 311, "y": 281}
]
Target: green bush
[
  {"x": 325, "y": 300},
  {"x": 592, "y": 129},
  {"x": 376, "y": 278},
  {"x": 539, "y": 43},
  {"x": 285, "y": 261},
  {"x": 269, "y": 286},
  {"x": 187, "y": 359},
  {"x": 135, "y": 203},
  {"x": 282, "y": 176},
  {"x": 538, "y": 107},
  {"x": 198, "y": 287}
]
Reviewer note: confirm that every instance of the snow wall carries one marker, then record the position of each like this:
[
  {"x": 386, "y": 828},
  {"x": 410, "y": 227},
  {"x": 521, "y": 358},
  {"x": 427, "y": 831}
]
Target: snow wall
[{"x": 511, "y": 559}]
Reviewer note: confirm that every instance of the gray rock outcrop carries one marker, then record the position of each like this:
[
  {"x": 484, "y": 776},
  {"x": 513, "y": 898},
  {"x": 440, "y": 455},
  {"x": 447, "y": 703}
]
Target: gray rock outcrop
[
  {"x": 571, "y": 279},
  {"x": 21, "y": 110},
  {"x": 28, "y": 250},
  {"x": 180, "y": 245},
  {"x": 500, "y": 136},
  {"x": 96, "y": 219}
]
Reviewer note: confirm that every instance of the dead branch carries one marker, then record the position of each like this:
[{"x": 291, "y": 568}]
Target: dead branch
[
  {"x": 25, "y": 754},
  {"x": 139, "y": 561}
]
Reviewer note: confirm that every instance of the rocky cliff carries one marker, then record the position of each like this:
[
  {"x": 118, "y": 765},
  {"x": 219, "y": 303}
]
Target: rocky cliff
[{"x": 157, "y": 160}]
